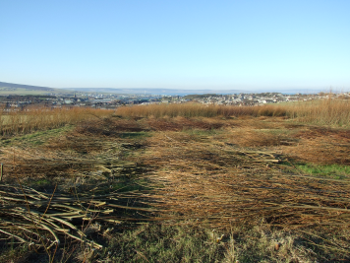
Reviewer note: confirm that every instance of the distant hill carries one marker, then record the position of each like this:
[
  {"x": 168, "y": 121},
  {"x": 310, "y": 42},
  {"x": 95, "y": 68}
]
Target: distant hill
[
  {"x": 19, "y": 89},
  {"x": 153, "y": 91},
  {"x": 27, "y": 87},
  {"x": 183, "y": 92}
]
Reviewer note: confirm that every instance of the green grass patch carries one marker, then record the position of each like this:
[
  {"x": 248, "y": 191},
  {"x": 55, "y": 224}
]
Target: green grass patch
[
  {"x": 202, "y": 132},
  {"x": 134, "y": 135},
  {"x": 335, "y": 171},
  {"x": 128, "y": 185},
  {"x": 162, "y": 243},
  {"x": 40, "y": 183},
  {"x": 277, "y": 132},
  {"x": 36, "y": 138},
  {"x": 183, "y": 241}
]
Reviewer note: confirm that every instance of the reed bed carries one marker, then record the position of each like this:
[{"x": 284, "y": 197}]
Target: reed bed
[
  {"x": 197, "y": 110},
  {"x": 44, "y": 118},
  {"x": 325, "y": 112}
]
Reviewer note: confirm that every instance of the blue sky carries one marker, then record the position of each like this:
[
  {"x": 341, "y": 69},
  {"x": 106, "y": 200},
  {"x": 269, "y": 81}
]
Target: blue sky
[{"x": 176, "y": 44}]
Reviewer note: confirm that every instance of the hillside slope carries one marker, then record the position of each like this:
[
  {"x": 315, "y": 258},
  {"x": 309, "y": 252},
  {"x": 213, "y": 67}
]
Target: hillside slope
[{"x": 19, "y": 89}]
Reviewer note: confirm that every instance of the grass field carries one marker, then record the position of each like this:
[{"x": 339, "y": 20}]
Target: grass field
[{"x": 179, "y": 183}]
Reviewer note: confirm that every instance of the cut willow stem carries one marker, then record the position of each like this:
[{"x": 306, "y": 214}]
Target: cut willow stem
[
  {"x": 48, "y": 203},
  {"x": 13, "y": 235},
  {"x": 1, "y": 170}
]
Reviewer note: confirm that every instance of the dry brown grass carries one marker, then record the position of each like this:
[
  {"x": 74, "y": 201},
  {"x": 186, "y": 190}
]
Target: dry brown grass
[
  {"x": 216, "y": 179},
  {"x": 210, "y": 180},
  {"x": 44, "y": 118},
  {"x": 321, "y": 146},
  {"x": 181, "y": 123},
  {"x": 329, "y": 111},
  {"x": 325, "y": 112},
  {"x": 198, "y": 110},
  {"x": 220, "y": 178}
]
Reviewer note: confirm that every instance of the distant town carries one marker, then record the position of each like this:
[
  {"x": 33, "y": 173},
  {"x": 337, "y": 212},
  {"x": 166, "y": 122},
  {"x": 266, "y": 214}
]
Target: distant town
[{"x": 112, "y": 101}]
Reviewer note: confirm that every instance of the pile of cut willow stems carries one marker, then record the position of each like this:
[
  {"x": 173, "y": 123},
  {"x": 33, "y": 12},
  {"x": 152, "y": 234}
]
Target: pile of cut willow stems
[
  {"x": 41, "y": 220},
  {"x": 217, "y": 183}
]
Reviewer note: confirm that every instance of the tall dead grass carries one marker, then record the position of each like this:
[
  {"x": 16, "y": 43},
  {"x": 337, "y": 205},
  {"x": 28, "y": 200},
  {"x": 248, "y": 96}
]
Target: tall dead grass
[
  {"x": 198, "y": 110},
  {"x": 44, "y": 118},
  {"x": 328, "y": 112}
]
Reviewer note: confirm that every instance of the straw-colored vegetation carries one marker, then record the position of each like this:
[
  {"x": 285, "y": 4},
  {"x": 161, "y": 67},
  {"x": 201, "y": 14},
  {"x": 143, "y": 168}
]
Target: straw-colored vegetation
[
  {"x": 157, "y": 184},
  {"x": 329, "y": 111},
  {"x": 198, "y": 110},
  {"x": 44, "y": 118}
]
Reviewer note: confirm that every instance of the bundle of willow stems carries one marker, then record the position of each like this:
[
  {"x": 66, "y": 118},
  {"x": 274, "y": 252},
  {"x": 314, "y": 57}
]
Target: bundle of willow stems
[{"x": 40, "y": 219}]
